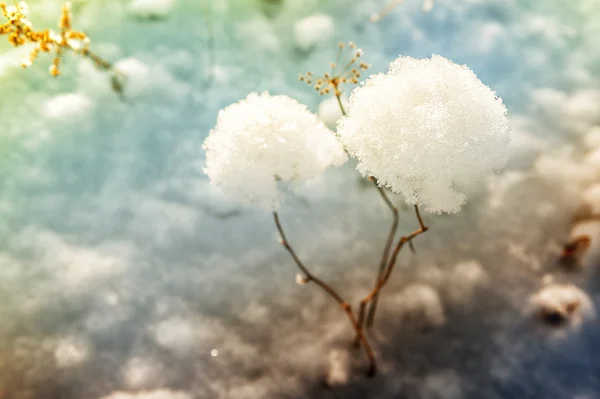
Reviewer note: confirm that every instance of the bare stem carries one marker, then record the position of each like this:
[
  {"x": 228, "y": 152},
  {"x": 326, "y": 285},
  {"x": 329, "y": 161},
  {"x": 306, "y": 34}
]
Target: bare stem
[
  {"x": 309, "y": 277},
  {"x": 386, "y": 249},
  {"x": 339, "y": 100},
  {"x": 101, "y": 63},
  {"x": 388, "y": 272}
]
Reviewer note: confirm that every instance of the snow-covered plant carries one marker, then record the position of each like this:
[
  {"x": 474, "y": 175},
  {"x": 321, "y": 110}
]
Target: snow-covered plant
[
  {"x": 427, "y": 129},
  {"x": 263, "y": 140}
]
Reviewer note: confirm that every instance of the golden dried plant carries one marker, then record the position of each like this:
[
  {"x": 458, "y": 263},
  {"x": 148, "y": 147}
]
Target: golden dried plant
[
  {"x": 345, "y": 70},
  {"x": 20, "y": 31}
]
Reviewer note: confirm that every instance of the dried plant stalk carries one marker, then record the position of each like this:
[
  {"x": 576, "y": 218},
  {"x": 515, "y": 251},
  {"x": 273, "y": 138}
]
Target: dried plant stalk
[
  {"x": 20, "y": 31},
  {"x": 309, "y": 277},
  {"x": 388, "y": 272}
]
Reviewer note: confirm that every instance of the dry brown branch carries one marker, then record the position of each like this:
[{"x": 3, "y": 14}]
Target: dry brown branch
[{"x": 309, "y": 277}]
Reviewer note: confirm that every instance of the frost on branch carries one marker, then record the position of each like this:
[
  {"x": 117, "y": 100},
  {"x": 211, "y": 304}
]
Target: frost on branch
[
  {"x": 427, "y": 129},
  {"x": 265, "y": 139}
]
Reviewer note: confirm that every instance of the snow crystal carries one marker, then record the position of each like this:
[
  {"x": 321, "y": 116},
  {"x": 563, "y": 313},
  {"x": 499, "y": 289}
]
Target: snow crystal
[
  {"x": 310, "y": 31},
  {"x": 263, "y": 139},
  {"x": 427, "y": 129}
]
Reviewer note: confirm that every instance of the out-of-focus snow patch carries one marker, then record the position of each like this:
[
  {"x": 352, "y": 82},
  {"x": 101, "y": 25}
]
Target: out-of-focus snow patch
[
  {"x": 141, "y": 79},
  {"x": 161, "y": 222},
  {"x": 573, "y": 112},
  {"x": 329, "y": 110},
  {"x": 524, "y": 146},
  {"x": 592, "y": 159},
  {"x": 76, "y": 266},
  {"x": 591, "y": 139},
  {"x": 177, "y": 334},
  {"x": 419, "y": 304},
  {"x": 71, "y": 351},
  {"x": 464, "y": 279},
  {"x": 489, "y": 35},
  {"x": 151, "y": 8},
  {"x": 583, "y": 109},
  {"x": 141, "y": 372},
  {"x": 589, "y": 228},
  {"x": 261, "y": 31},
  {"x": 66, "y": 106},
  {"x": 212, "y": 199},
  {"x": 310, "y": 31},
  {"x": 563, "y": 168},
  {"x": 139, "y": 76},
  {"x": 591, "y": 198},
  {"x": 549, "y": 29},
  {"x": 338, "y": 372},
  {"x": 156, "y": 394},
  {"x": 442, "y": 385},
  {"x": 499, "y": 187},
  {"x": 562, "y": 305},
  {"x": 14, "y": 58},
  {"x": 186, "y": 337}
]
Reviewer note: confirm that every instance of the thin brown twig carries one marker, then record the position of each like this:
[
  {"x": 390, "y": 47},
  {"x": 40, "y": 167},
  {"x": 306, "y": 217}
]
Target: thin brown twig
[
  {"x": 386, "y": 249},
  {"x": 308, "y": 277},
  {"x": 388, "y": 272}
]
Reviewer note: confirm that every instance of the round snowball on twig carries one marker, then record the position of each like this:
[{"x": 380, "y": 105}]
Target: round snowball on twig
[
  {"x": 426, "y": 129},
  {"x": 264, "y": 139}
]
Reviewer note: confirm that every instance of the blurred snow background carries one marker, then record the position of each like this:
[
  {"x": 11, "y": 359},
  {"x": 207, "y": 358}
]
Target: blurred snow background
[{"x": 124, "y": 275}]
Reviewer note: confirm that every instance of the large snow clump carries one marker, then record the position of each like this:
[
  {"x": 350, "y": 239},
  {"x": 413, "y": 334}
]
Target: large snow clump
[
  {"x": 427, "y": 129},
  {"x": 265, "y": 139}
]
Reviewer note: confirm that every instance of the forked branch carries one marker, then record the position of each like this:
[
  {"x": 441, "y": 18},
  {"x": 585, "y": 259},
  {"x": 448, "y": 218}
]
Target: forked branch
[
  {"x": 386, "y": 249},
  {"x": 388, "y": 271},
  {"x": 309, "y": 277}
]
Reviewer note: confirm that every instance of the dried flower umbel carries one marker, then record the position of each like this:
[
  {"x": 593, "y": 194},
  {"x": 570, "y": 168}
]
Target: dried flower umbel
[
  {"x": 345, "y": 70},
  {"x": 20, "y": 31}
]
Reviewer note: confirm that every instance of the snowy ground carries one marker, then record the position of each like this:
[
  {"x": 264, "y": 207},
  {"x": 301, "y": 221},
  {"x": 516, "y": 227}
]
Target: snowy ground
[{"x": 124, "y": 275}]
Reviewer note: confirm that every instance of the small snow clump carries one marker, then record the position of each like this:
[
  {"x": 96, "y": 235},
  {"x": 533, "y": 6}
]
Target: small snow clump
[
  {"x": 427, "y": 129},
  {"x": 264, "y": 139},
  {"x": 562, "y": 304}
]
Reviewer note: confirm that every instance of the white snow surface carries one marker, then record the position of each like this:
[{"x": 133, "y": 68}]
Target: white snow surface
[{"x": 125, "y": 274}]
